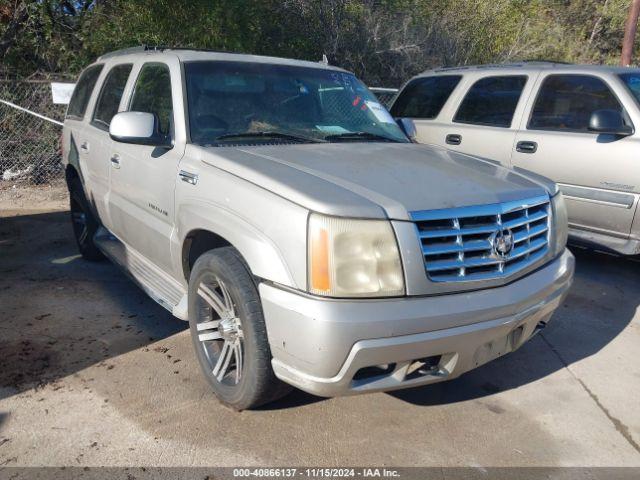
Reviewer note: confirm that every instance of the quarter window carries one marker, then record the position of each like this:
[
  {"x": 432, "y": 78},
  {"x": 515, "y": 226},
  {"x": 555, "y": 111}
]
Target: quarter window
[
  {"x": 491, "y": 101},
  {"x": 425, "y": 97},
  {"x": 566, "y": 102},
  {"x": 152, "y": 94},
  {"x": 82, "y": 92},
  {"x": 110, "y": 95}
]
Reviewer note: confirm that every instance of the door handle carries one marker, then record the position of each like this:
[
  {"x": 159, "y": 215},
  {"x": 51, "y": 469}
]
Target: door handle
[
  {"x": 453, "y": 139},
  {"x": 188, "y": 177},
  {"x": 526, "y": 147},
  {"x": 115, "y": 160},
  {"x": 84, "y": 146}
]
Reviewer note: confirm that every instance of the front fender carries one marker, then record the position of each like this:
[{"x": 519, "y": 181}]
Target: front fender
[{"x": 271, "y": 251}]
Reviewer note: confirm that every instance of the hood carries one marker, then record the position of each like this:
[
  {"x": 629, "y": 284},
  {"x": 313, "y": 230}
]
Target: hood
[{"x": 374, "y": 180}]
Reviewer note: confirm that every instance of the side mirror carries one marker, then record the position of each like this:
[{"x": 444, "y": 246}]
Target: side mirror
[
  {"x": 139, "y": 128},
  {"x": 609, "y": 122},
  {"x": 408, "y": 127}
]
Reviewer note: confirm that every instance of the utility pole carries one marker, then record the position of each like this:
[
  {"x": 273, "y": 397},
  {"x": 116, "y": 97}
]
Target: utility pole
[{"x": 630, "y": 33}]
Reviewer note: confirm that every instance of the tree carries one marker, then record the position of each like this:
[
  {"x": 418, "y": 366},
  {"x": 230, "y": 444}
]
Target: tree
[{"x": 383, "y": 41}]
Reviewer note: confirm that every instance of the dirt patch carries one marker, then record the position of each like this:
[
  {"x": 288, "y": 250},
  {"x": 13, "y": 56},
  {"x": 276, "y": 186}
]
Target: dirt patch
[
  {"x": 15, "y": 198},
  {"x": 26, "y": 362}
]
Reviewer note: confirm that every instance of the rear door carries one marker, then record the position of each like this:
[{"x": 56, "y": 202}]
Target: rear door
[
  {"x": 75, "y": 135},
  {"x": 142, "y": 194},
  {"x": 483, "y": 123},
  {"x": 599, "y": 174},
  {"x": 422, "y": 100},
  {"x": 96, "y": 143}
]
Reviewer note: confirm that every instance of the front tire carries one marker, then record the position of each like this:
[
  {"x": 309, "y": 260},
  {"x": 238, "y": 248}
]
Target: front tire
[{"x": 229, "y": 333}]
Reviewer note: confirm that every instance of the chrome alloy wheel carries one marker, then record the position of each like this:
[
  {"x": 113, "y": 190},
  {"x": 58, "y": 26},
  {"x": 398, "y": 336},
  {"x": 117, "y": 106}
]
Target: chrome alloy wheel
[{"x": 220, "y": 332}]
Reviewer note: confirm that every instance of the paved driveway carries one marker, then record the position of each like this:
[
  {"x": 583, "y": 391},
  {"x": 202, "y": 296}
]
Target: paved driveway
[{"x": 95, "y": 373}]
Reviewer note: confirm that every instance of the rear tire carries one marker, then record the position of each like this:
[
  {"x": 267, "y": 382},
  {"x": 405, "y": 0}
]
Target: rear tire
[
  {"x": 85, "y": 224},
  {"x": 229, "y": 333}
]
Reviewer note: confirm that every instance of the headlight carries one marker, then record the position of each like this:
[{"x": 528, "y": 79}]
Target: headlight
[
  {"x": 353, "y": 258},
  {"x": 560, "y": 224}
]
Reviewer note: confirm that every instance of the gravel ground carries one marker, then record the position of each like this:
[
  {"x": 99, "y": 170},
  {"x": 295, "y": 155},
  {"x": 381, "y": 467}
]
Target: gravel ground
[{"x": 95, "y": 373}]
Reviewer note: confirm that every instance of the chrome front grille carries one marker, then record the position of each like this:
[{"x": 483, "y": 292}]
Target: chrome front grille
[{"x": 470, "y": 243}]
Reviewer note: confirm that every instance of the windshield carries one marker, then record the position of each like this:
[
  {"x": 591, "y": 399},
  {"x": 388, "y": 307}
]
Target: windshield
[
  {"x": 632, "y": 81},
  {"x": 249, "y": 103}
]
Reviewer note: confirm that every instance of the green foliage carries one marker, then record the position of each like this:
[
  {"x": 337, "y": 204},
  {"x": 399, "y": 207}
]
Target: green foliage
[{"x": 383, "y": 41}]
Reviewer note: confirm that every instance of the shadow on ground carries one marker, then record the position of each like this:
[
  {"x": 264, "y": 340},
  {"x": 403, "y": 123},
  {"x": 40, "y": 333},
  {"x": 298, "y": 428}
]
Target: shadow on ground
[{"x": 57, "y": 310}]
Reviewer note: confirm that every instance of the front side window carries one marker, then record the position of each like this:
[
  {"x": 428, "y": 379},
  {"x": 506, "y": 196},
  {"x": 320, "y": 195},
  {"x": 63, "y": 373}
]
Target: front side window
[
  {"x": 491, "y": 101},
  {"x": 632, "y": 82},
  {"x": 152, "y": 94},
  {"x": 110, "y": 95},
  {"x": 425, "y": 97},
  {"x": 253, "y": 103},
  {"x": 82, "y": 92},
  {"x": 566, "y": 102}
]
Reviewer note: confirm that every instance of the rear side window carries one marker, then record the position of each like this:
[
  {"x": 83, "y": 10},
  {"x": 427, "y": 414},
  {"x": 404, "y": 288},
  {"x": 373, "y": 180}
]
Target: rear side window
[
  {"x": 110, "y": 95},
  {"x": 82, "y": 92},
  {"x": 566, "y": 102},
  {"x": 152, "y": 94},
  {"x": 425, "y": 97},
  {"x": 491, "y": 101}
]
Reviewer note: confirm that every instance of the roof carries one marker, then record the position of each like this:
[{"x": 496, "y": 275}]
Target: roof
[
  {"x": 529, "y": 66},
  {"x": 194, "y": 54}
]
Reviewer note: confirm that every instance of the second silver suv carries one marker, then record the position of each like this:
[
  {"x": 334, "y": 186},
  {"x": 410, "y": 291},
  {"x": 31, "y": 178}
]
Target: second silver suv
[
  {"x": 575, "y": 124},
  {"x": 277, "y": 206}
]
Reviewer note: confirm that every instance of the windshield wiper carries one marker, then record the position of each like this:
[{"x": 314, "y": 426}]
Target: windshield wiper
[
  {"x": 360, "y": 136},
  {"x": 267, "y": 134}
]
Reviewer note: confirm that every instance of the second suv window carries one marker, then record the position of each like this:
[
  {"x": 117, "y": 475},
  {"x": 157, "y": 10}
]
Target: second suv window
[
  {"x": 491, "y": 101},
  {"x": 566, "y": 102},
  {"x": 110, "y": 96},
  {"x": 152, "y": 94},
  {"x": 424, "y": 97}
]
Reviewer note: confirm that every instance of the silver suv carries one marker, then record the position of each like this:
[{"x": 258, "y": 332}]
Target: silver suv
[
  {"x": 276, "y": 206},
  {"x": 572, "y": 123}
]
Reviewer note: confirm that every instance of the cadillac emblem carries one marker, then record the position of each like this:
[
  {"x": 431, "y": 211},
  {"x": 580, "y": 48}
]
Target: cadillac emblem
[{"x": 502, "y": 243}]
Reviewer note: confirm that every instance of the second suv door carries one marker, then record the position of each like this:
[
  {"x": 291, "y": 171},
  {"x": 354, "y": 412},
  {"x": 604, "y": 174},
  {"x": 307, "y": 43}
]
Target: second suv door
[
  {"x": 486, "y": 112},
  {"x": 599, "y": 174}
]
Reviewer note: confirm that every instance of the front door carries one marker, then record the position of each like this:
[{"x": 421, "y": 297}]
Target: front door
[
  {"x": 143, "y": 178},
  {"x": 598, "y": 174}
]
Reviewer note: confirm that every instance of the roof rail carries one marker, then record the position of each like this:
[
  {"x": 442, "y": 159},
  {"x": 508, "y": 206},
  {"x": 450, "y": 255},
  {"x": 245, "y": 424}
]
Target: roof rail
[
  {"x": 540, "y": 60},
  {"x": 521, "y": 63},
  {"x": 138, "y": 49}
]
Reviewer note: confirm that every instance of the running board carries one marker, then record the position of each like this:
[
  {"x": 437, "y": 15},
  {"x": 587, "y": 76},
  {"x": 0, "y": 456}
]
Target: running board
[{"x": 157, "y": 284}]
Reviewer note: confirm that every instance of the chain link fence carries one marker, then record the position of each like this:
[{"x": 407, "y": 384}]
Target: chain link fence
[
  {"x": 29, "y": 143},
  {"x": 385, "y": 95},
  {"x": 30, "y": 136}
]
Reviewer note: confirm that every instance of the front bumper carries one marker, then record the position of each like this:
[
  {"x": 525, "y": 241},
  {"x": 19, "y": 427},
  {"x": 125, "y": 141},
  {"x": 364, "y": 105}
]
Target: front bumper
[{"x": 334, "y": 347}]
